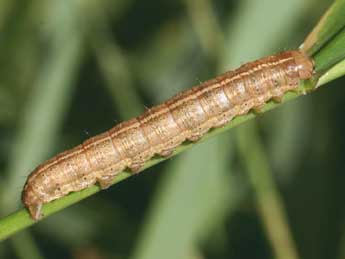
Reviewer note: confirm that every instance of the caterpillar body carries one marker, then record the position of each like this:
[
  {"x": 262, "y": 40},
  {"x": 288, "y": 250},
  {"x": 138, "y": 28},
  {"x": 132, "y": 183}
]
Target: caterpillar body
[{"x": 186, "y": 116}]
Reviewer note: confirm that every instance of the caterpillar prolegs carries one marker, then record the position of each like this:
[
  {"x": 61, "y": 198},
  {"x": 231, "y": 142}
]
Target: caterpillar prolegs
[{"x": 186, "y": 116}]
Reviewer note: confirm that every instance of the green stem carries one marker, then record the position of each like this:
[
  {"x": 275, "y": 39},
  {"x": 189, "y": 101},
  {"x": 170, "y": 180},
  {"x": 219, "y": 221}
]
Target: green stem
[
  {"x": 331, "y": 54},
  {"x": 329, "y": 25}
]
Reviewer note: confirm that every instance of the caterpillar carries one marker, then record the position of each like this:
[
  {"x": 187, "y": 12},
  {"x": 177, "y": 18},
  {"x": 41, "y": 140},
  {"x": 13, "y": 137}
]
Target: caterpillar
[{"x": 186, "y": 116}]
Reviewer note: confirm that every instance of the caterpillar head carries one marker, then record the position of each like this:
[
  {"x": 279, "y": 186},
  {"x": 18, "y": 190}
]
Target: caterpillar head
[{"x": 305, "y": 65}]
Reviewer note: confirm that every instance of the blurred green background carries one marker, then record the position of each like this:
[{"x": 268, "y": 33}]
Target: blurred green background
[{"x": 70, "y": 69}]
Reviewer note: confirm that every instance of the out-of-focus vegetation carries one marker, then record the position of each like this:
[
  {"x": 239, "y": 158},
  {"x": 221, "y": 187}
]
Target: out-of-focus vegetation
[{"x": 72, "y": 68}]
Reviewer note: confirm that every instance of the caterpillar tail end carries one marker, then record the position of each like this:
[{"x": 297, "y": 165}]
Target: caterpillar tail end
[
  {"x": 35, "y": 211},
  {"x": 32, "y": 203}
]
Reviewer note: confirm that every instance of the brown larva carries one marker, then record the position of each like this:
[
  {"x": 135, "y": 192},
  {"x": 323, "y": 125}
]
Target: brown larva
[{"x": 186, "y": 116}]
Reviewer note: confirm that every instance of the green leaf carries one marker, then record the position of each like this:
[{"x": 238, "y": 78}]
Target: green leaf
[
  {"x": 330, "y": 24},
  {"x": 331, "y": 54}
]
